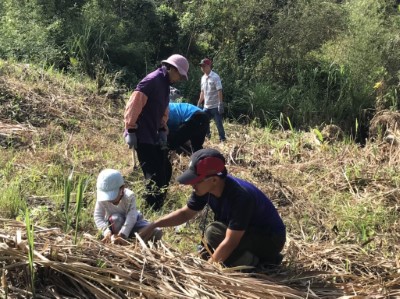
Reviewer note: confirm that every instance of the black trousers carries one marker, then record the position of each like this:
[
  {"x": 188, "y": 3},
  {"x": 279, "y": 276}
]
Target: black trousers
[
  {"x": 195, "y": 130},
  {"x": 157, "y": 170},
  {"x": 265, "y": 245}
]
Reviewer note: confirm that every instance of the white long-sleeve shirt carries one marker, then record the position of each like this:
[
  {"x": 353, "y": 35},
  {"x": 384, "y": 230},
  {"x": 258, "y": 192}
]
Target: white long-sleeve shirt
[{"x": 127, "y": 207}]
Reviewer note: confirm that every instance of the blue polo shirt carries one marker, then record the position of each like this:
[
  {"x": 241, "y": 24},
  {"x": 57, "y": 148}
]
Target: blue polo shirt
[
  {"x": 180, "y": 113},
  {"x": 156, "y": 87},
  {"x": 241, "y": 206}
]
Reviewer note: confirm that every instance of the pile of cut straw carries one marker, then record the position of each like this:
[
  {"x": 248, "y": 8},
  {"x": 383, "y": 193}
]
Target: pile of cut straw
[{"x": 92, "y": 269}]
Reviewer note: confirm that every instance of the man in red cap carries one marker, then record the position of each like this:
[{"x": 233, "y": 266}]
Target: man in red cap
[
  {"x": 211, "y": 95},
  {"x": 247, "y": 228}
]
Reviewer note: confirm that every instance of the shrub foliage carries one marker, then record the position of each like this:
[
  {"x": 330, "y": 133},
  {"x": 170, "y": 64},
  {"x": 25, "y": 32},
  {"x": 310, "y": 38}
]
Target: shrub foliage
[{"x": 312, "y": 62}]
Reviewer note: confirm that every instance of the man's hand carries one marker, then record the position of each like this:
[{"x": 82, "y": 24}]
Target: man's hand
[
  {"x": 221, "y": 108},
  {"x": 131, "y": 140},
  {"x": 147, "y": 232},
  {"x": 162, "y": 139}
]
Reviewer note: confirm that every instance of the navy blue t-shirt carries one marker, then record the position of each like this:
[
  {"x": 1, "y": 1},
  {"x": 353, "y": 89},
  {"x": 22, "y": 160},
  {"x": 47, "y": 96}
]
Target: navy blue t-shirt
[{"x": 241, "y": 205}]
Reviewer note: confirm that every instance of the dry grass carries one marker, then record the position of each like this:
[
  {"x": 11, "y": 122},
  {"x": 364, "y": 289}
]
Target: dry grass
[
  {"x": 340, "y": 203},
  {"x": 95, "y": 270}
]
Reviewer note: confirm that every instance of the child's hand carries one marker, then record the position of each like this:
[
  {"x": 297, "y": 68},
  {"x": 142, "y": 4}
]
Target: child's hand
[{"x": 107, "y": 237}]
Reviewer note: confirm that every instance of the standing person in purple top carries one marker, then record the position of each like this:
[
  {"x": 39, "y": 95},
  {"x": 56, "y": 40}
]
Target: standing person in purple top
[
  {"x": 247, "y": 228},
  {"x": 146, "y": 116}
]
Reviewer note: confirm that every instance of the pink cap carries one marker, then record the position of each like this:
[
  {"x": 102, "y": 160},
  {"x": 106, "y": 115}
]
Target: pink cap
[{"x": 180, "y": 62}]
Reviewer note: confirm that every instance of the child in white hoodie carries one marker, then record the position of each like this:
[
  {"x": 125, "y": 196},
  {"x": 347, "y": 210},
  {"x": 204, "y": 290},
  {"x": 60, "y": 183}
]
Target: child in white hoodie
[{"x": 115, "y": 213}]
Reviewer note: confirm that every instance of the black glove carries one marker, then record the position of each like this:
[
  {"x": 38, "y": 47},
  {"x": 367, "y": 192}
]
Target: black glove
[{"x": 162, "y": 139}]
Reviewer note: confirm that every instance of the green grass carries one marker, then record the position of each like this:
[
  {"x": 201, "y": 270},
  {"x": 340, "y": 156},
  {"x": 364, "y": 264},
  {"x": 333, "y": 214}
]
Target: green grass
[
  {"x": 336, "y": 192},
  {"x": 11, "y": 200}
]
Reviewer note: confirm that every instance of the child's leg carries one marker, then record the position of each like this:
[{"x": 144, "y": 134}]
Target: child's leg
[{"x": 116, "y": 222}]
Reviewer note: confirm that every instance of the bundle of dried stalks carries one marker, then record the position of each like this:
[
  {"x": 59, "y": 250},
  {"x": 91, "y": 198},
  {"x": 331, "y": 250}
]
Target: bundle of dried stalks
[
  {"x": 16, "y": 134},
  {"x": 349, "y": 269},
  {"x": 95, "y": 270},
  {"x": 12, "y": 129}
]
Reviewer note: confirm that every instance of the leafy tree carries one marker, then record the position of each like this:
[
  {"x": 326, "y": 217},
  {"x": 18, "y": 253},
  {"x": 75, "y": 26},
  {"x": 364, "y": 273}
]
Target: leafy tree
[
  {"x": 24, "y": 35},
  {"x": 121, "y": 34},
  {"x": 312, "y": 61},
  {"x": 167, "y": 33},
  {"x": 232, "y": 34},
  {"x": 369, "y": 49},
  {"x": 300, "y": 29}
]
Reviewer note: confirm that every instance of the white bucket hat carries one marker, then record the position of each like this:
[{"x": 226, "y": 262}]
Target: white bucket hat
[
  {"x": 180, "y": 62},
  {"x": 108, "y": 183}
]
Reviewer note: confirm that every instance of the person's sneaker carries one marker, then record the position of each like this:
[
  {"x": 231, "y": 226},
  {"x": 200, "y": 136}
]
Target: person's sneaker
[
  {"x": 202, "y": 252},
  {"x": 271, "y": 264},
  {"x": 273, "y": 261},
  {"x": 222, "y": 140},
  {"x": 246, "y": 259}
]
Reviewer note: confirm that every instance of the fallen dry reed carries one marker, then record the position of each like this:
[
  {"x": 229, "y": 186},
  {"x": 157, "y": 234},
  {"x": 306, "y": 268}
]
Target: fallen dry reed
[{"x": 92, "y": 269}]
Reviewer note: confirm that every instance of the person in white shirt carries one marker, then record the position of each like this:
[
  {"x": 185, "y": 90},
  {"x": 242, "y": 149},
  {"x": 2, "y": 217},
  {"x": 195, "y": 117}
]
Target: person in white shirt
[
  {"x": 211, "y": 95},
  {"x": 115, "y": 213}
]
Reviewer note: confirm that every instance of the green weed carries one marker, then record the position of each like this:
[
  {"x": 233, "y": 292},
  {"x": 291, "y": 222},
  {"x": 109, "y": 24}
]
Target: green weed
[
  {"x": 79, "y": 204},
  {"x": 67, "y": 199},
  {"x": 318, "y": 134},
  {"x": 31, "y": 248},
  {"x": 11, "y": 199}
]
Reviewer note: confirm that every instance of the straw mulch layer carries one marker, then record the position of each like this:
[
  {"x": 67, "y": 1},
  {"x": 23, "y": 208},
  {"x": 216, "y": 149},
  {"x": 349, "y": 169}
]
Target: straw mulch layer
[{"x": 95, "y": 270}]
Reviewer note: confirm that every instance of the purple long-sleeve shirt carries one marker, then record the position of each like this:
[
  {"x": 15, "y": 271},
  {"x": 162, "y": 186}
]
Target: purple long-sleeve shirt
[{"x": 148, "y": 105}]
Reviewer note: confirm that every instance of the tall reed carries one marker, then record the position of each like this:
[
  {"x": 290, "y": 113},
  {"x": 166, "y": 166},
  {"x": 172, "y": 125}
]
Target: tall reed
[
  {"x": 78, "y": 205},
  {"x": 67, "y": 198},
  {"x": 31, "y": 248}
]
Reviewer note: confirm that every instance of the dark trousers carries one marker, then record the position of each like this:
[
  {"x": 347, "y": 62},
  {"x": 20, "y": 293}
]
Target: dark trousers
[
  {"x": 214, "y": 114},
  {"x": 265, "y": 245},
  {"x": 195, "y": 130},
  {"x": 157, "y": 171}
]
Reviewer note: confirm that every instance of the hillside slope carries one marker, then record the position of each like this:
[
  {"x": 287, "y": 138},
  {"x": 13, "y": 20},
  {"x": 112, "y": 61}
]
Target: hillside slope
[{"x": 339, "y": 202}]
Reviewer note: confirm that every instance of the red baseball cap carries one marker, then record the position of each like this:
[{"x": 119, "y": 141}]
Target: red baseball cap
[
  {"x": 205, "y": 61},
  {"x": 203, "y": 163}
]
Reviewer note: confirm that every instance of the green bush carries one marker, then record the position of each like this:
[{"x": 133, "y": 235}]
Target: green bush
[{"x": 24, "y": 35}]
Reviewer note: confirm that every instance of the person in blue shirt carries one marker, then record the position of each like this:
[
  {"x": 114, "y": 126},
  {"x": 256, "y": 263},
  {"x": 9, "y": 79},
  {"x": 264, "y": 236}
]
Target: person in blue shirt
[
  {"x": 247, "y": 228},
  {"x": 186, "y": 122}
]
